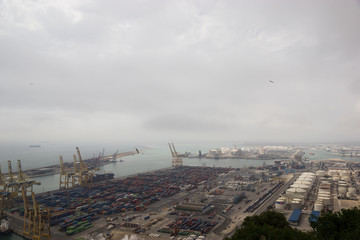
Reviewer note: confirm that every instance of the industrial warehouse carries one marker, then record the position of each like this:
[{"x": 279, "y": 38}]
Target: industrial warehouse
[{"x": 180, "y": 202}]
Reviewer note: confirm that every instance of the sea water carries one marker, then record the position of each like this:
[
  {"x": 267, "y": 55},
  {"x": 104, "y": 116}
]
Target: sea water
[{"x": 150, "y": 158}]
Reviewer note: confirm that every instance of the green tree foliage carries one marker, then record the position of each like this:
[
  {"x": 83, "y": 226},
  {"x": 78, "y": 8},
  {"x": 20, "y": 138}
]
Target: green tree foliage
[
  {"x": 268, "y": 225},
  {"x": 343, "y": 225}
]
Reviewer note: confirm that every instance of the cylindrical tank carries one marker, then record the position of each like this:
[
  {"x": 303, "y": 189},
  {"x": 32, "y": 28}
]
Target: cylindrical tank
[
  {"x": 318, "y": 206},
  {"x": 336, "y": 178},
  {"x": 295, "y": 185},
  {"x": 323, "y": 195},
  {"x": 292, "y": 196},
  {"x": 320, "y": 173},
  {"x": 325, "y": 200},
  {"x": 324, "y": 186},
  {"x": 309, "y": 179},
  {"x": 342, "y": 191},
  {"x": 303, "y": 182},
  {"x": 290, "y": 190},
  {"x": 301, "y": 191},
  {"x": 352, "y": 190},
  {"x": 349, "y": 195},
  {"x": 343, "y": 185},
  {"x": 280, "y": 204},
  {"x": 301, "y": 200},
  {"x": 308, "y": 173},
  {"x": 295, "y": 205},
  {"x": 303, "y": 186},
  {"x": 345, "y": 178}
]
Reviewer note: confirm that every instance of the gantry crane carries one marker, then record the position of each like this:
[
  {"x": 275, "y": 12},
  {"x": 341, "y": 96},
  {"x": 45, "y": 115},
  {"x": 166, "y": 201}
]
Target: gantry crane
[
  {"x": 12, "y": 184},
  {"x": 2, "y": 181},
  {"x": 27, "y": 214},
  {"x": 4, "y": 195},
  {"x": 82, "y": 169},
  {"x": 36, "y": 220},
  {"x": 177, "y": 160},
  {"x": 65, "y": 175},
  {"x": 77, "y": 177},
  {"x": 86, "y": 173},
  {"x": 41, "y": 221},
  {"x": 81, "y": 175},
  {"x": 24, "y": 180},
  {"x": 15, "y": 184}
]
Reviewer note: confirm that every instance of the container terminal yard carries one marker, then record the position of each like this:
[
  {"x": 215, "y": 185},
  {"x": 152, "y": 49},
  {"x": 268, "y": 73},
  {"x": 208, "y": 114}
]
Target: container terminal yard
[{"x": 181, "y": 202}]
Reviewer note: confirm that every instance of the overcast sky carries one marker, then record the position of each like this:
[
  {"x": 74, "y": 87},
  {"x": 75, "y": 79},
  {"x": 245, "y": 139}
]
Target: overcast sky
[{"x": 143, "y": 71}]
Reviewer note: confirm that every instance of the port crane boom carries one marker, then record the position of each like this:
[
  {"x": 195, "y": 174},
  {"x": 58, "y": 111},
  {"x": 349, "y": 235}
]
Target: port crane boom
[{"x": 177, "y": 160}]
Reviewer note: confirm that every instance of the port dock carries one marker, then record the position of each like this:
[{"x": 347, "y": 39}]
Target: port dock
[
  {"x": 182, "y": 201},
  {"x": 198, "y": 202}
]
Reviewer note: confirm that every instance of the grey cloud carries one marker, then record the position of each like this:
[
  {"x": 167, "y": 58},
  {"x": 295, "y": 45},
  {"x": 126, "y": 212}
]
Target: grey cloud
[{"x": 181, "y": 68}]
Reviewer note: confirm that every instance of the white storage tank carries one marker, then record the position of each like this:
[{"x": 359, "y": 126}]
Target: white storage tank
[
  {"x": 318, "y": 206},
  {"x": 280, "y": 204},
  {"x": 295, "y": 205},
  {"x": 304, "y": 182},
  {"x": 342, "y": 191},
  {"x": 352, "y": 190},
  {"x": 345, "y": 178},
  {"x": 343, "y": 185},
  {"x": 299, "y": 191},
  {"x": 324, "y": 186},
  {"x": 336, "y": 178},
  {"x": 300, "y": 178},
  {"x": 308, "y": 173},
  {"x": 349, "y": 195},
  {"x": 301, "y": 200},
  {"x": 323, "y": 195},
  {"x": 325, "y": 200},
  {"x": 291, "y": 196},
  {"x": 344, "y": 173},
  {"x": 309, "y": 179},
  {"x": 290, "y": 190},
  {"x": 295, "y": 185},
  {"x": 325, "y": 182},
  {"x": 303, "y": 186},
  {"x": 320, "y": 173}
]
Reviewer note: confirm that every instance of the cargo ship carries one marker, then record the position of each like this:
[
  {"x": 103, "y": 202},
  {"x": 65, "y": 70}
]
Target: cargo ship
[{"x": 102, "y": 177}]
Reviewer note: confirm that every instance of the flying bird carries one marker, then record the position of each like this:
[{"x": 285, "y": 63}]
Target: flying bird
[{"x": 271, "y": 81}]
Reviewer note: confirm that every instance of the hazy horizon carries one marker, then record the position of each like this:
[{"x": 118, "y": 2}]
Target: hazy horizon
[{"x": 139, "y": 72}]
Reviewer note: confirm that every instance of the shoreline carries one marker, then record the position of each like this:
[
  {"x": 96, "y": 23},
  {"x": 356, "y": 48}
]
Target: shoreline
[{"x": 55, "y": 169}]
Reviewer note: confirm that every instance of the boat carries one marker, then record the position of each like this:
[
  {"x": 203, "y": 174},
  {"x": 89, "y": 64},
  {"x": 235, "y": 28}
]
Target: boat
[
  {"x": 102, "y": 177},
  {"x": 34, "y": 146},
  {"x": 5, "y": 226}
]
